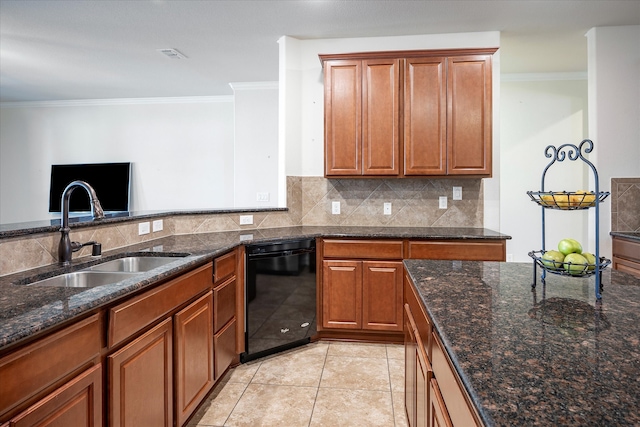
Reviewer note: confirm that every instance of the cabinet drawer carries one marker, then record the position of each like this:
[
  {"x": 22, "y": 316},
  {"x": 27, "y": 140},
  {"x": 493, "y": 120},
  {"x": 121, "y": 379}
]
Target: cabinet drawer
[
  {"x": 224, "y": 344},
  {"x": 628, "y": 249},
  {"x": 42, "y": 364},
  {"x": 224, "y": 303},
  {"x": 467, "y": 250},
  {"x": 128, "y": 318},
  {"x": 363, "y": 249},
  {"x": 626, "y": 266},
  {"x": 452, "y": 393},
  {"x": 225, "y": 266}
]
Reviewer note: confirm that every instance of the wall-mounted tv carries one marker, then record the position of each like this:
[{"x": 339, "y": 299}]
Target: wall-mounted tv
[{"x": 111, "y": 181}]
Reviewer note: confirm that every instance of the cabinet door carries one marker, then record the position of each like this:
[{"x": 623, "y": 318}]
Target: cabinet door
[
  {"x": 77, "y": 403},
  {"x": 423, "y": 376},
  {"x": 381, "y": 117},
  {"x": 410, "y": 360},
  {"x": 343, "y": 115},
  {"x": 140, "y": 380},
  {"x": 194, "y": 370},
  {"x": 425, "y": 116},
  {"x": 469, "y": 115},
  {"x": 382, "y": 295},
  {"x": 438, "y": 415},
  {"x": 225, "y": 345},
  {"x": 342, "y": 294}
]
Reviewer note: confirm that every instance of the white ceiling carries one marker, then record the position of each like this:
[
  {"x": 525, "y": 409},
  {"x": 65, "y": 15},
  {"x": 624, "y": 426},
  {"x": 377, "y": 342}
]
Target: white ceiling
[{"x": 80, "y": 49}]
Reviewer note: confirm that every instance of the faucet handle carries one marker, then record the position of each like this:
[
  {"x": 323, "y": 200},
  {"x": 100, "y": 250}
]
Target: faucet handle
[{"x": 96, "y": 250}]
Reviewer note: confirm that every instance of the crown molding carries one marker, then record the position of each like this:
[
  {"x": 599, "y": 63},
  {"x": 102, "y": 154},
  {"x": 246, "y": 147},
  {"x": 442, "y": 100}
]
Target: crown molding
[
  {"x": 253, "y": 85},
  {"x": 119, "y": 101},
  {"x": 537, "y": 77}
]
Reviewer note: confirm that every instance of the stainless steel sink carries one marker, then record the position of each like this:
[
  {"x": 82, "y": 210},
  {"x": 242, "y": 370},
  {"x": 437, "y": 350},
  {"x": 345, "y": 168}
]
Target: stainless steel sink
[
  {"x": 133, "y": 264},
  {"x": 84, "y": 279}
]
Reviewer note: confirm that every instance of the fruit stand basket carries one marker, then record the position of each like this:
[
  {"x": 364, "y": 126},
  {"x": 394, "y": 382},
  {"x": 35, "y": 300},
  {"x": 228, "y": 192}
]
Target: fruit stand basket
[
  {"x": 564, "y": 200},
  {"x": 568, "y": 268}
]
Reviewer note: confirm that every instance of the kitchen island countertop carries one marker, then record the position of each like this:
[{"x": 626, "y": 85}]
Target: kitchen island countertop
[
  {"x": 551, "y": 355},
  {"x": 29, "y": 310}
]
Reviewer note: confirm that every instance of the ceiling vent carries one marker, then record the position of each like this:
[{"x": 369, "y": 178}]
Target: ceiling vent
[{"x": 172, "y": 53}]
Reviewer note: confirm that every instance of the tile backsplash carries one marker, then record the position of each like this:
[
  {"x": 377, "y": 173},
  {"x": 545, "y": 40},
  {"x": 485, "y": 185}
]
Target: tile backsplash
[
  {"x": 414, "y": 202},
  {"x": 625, "y": 204}
]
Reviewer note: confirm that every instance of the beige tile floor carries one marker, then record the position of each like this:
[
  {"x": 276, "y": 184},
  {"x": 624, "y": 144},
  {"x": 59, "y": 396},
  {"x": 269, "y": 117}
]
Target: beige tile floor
[{"x": 320, "y": 384}]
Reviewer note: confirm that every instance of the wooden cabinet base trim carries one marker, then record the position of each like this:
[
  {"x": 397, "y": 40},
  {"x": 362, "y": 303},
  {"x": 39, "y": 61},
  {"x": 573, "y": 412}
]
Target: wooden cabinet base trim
[{"x": 361, "y": 336}]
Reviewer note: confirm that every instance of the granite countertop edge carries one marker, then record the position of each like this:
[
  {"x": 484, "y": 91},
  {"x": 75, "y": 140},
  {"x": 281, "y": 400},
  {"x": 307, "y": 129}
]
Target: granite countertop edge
[
  {"x": 191, "y": 251},
  {"x": 631, "y": 235}
]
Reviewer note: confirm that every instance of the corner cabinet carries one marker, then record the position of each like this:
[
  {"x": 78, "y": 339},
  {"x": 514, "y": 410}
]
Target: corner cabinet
[
  {"x": 361, "y": 286},
  {"x": 408, "y": 113}
]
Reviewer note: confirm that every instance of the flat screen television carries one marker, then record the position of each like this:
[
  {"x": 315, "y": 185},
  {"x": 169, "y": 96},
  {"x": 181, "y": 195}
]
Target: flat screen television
[{"x": 111, "y": 181}]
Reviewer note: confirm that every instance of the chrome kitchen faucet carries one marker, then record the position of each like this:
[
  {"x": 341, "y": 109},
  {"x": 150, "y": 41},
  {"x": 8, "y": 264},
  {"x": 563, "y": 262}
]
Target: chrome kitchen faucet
[{"x": 66, "y": 246}]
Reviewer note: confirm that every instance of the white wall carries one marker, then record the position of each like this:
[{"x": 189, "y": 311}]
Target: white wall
[
  {"x": 536, "y": 112},
  {"x": 303, "y": 94},
  {"x": 614, "y": 111},
  {"x": 256, "y": 156},
  {"x": 181, "y": 149}
]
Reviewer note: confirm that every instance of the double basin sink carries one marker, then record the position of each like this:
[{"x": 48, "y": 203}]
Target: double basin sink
[{"x": 107, "y": 273}]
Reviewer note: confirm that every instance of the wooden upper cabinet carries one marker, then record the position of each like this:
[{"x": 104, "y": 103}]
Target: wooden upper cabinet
[
  {"x": 408, "y": 113},
  {"x": 469, "y": 115},
  {"x": 381, "y": 117},
  {"x": 342, "y": 109},
  {"x": 362, "y": 105},
  {"x": 425, "y": 116}
]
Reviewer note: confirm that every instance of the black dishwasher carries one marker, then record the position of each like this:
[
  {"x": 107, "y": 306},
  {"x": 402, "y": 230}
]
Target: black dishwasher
[{"x": 280, "y": 296}]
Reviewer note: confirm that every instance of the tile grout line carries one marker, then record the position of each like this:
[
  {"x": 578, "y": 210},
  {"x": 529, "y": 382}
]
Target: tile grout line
[{"x": 315, "y": 399}]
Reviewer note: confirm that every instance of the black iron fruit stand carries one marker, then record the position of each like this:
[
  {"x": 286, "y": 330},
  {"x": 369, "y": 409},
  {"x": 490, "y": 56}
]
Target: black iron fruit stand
[{"x": 564, "y": 200}]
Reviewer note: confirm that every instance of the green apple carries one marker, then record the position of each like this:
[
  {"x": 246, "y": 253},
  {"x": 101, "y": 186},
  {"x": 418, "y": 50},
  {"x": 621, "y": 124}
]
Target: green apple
[
  {"x": 552, "y": 260},
  {"x": 569, "y": 246},
  {"x": 591, "y": 259},
  {"x": 575, "y": 264}
]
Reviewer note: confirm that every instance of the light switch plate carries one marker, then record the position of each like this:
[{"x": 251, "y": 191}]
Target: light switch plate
[
  {"x": 246, "y": 219},
  {"x": 387, "y": 208},
  {"x": 442, "y": 202},
  {"x": 262, "y": 197},
  {"x": 335, "y": 208},
  {"x": 144, "y": 228},
  {"x": 457, "y": 193}
]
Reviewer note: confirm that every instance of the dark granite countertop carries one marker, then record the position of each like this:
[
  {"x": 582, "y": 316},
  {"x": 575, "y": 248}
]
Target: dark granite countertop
[
  {"x": 52, "y": 225},
  {"x": 633, "y": 235},
  {"x": 28, "y": 310},
  {"x": 548, "y": 357}
]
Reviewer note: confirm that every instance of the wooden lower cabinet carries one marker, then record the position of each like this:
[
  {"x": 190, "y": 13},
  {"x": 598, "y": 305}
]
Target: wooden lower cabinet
[
  {"x": 225, "y": 345},
  {"x": 364, "y": 295},
  {"x": 77, "y": 403},
  {"x": 434, "y": 395},
  {"x": 194, "y": 367},
  {"x": 626, "y": 255},
  {"x": 141, "y": 380},
  {"x": 438, "y": 415}
]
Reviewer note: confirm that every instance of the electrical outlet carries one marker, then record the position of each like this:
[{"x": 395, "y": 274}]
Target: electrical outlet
[
  {"x": 157, "y": 225},
  {"x": 442, "y": 202},
  {"x": 457, "y": 193},
  {"x": 262, "y": 197},
  {"x": 387, "y": 208},
  {"x": 245, "y": 237},
  {"x": 246, "y": 219},
  {"x": 144, "y": 228},
  {"x": 509, "y": 257},
  {"x": 335, "y": 208}
]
